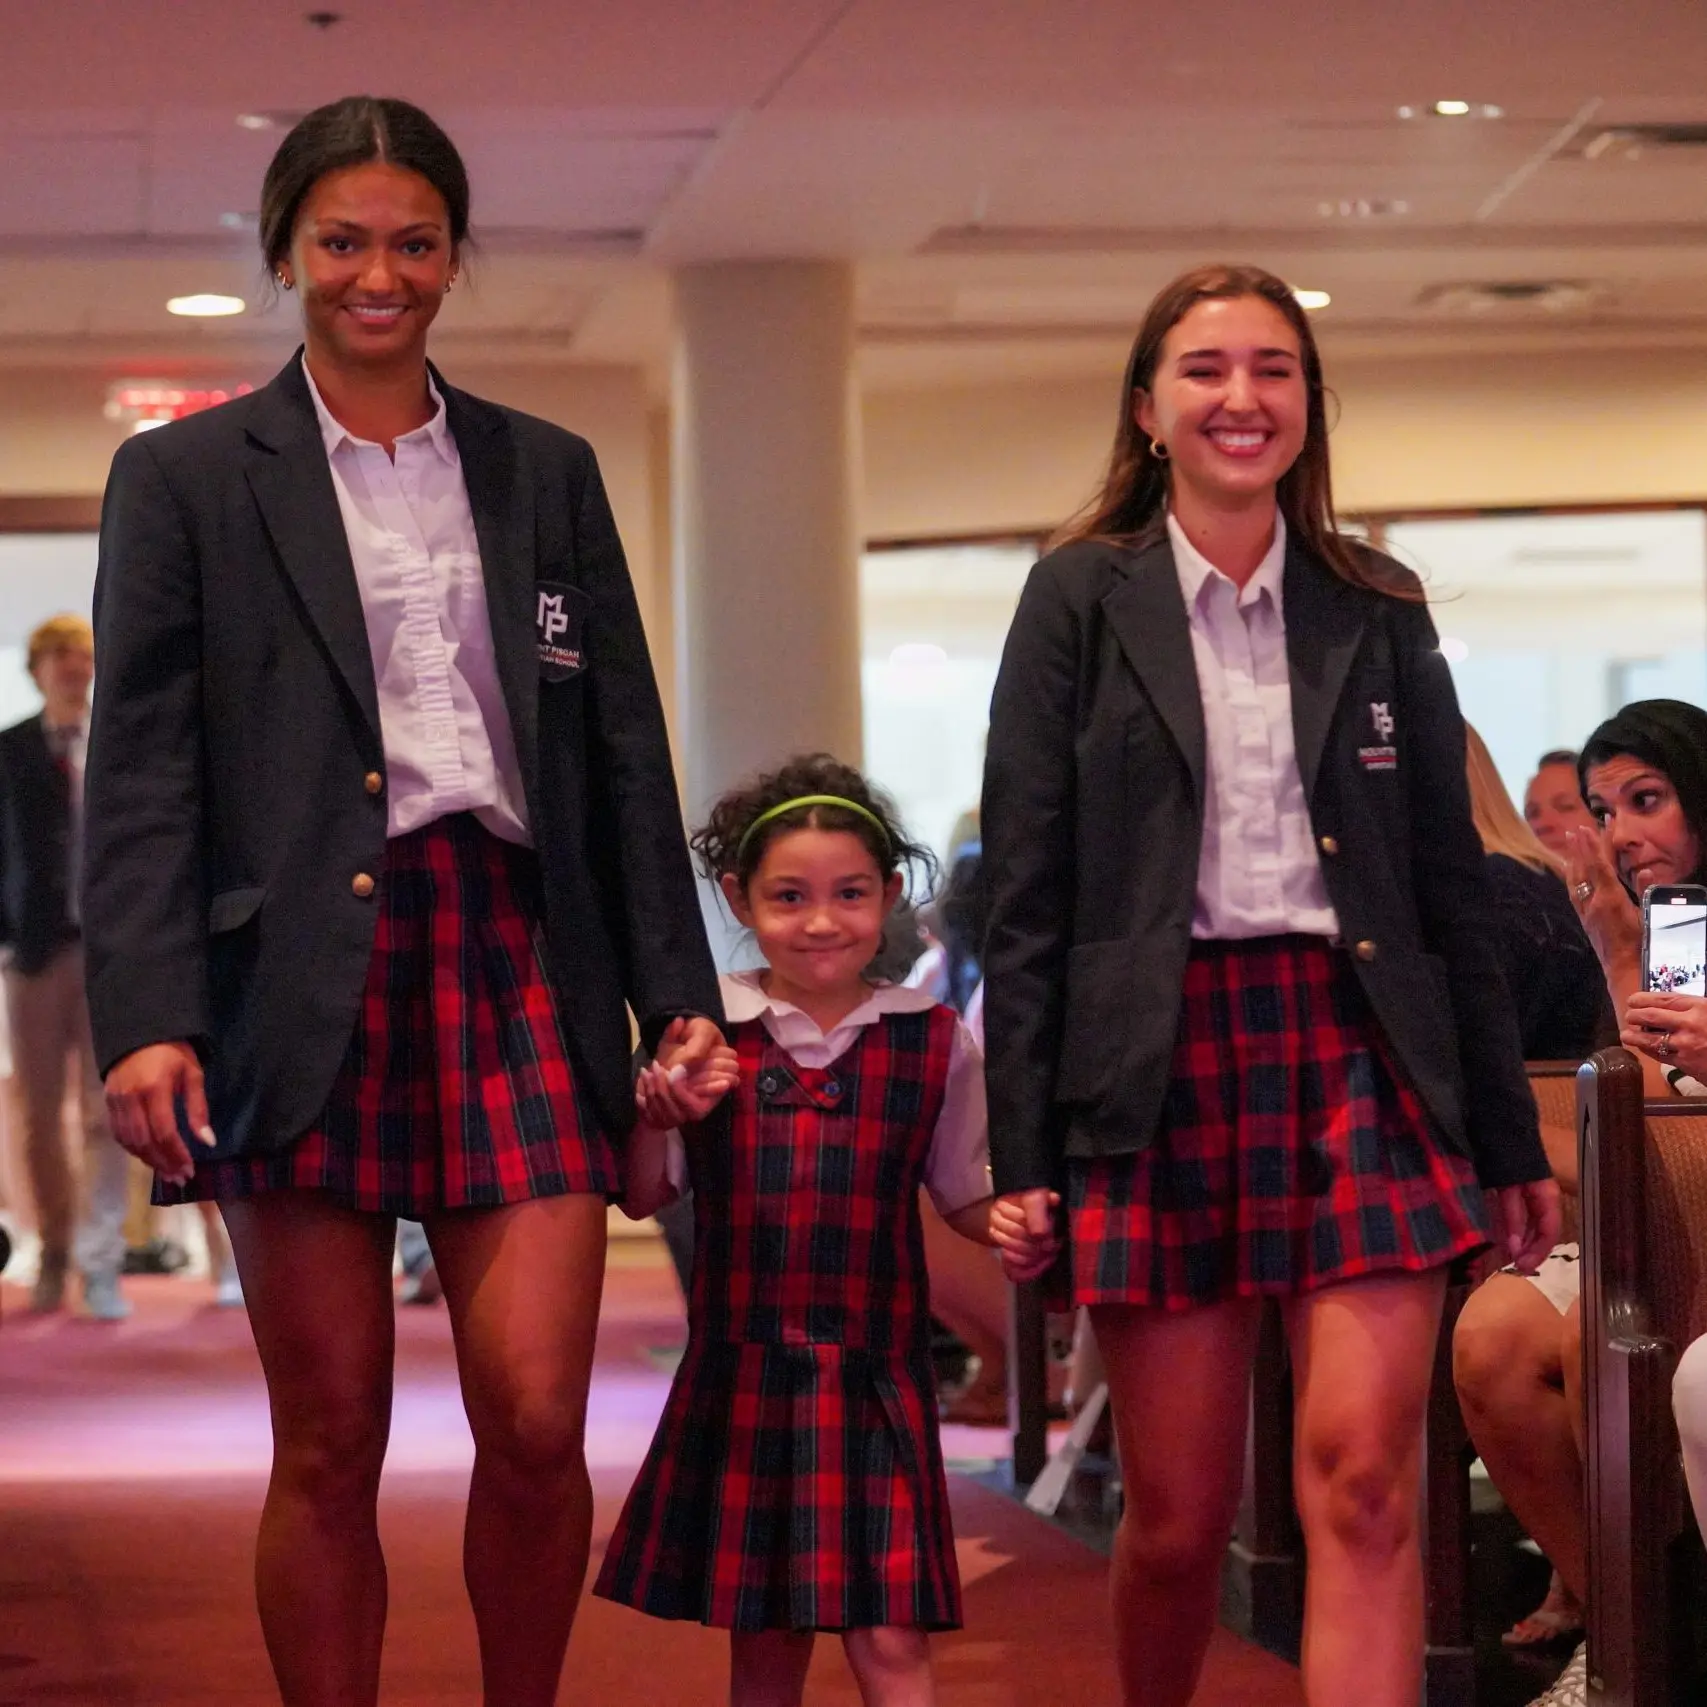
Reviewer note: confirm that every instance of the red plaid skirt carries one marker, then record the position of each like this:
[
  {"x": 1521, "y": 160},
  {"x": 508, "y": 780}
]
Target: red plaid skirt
[
  {"x": 457, "y": 1090},
  {"x": 1290, "y": 1154},
  {"x": 791, "y": 1487}
]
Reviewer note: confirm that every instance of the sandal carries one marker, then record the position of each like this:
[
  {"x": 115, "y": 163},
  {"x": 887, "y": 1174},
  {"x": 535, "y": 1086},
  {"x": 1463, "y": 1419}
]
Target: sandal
[{"x": 1557, "y": 1619}]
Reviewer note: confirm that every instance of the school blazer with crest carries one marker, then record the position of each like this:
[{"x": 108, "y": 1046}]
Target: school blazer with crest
[
  {"x": 228, "y": 809},
  {"x": 1092, "y": 824}
]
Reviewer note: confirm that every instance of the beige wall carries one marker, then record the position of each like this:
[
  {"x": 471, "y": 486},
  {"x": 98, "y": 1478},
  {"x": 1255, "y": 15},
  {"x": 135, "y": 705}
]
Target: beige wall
[{"x": 1473, "y": 431}]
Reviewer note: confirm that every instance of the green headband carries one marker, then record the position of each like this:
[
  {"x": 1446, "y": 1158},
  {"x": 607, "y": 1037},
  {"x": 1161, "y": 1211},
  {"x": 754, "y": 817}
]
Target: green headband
[{"x": 813, "y": 800}]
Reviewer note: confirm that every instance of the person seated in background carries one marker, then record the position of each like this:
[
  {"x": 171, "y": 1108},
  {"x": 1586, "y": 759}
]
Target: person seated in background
[
  {"x": 1553, "y": 802},
  {"x": 1643, "y": 776},
  {"x": 1510, "y": 1349}
]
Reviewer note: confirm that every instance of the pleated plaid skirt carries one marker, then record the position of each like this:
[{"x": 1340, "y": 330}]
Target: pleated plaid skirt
[
  {"x": 457, "y": 1089},
  {"x": 1290, "y": 1155},
  {"x": 791, "y": 1487}
]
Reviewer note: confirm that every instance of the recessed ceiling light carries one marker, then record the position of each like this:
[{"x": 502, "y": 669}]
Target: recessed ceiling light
[
  {"x": 1311, "y": 300},
  {"x": 239, "y": 221},
  {"x": 1454, "y": 651},
  {"x": 205, "y": 305},
  {"x": 1364, "y": 207},
  {"x": 255, "y": 121},
  {"x": 1454, "y": 110}
]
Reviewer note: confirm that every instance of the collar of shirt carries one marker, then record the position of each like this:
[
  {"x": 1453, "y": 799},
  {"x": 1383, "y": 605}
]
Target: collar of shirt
[
  {"x": 333, "y": 433},
  {"x": 744, "y": 999},
  {"x": 1196, "y": 571}
]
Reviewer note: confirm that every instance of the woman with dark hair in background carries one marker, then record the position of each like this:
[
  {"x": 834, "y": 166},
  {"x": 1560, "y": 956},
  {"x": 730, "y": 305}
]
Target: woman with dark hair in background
[
  {"x": 382, "y": 835},
  {"x": 1243, "y": 1007}
]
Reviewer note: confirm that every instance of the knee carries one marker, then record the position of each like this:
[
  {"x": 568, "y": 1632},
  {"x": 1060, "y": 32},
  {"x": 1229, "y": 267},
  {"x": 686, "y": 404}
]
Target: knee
[
  {"x": 1363, "y": 1500},
  {"x": 535, "y": 1433},
  {"x": 1689, "y": 1398},
  {"x": 1173, "y": 1546},
  {"x": 333, "y": 1454},
  {"x": 1493, "y": 1358},
  {"x": 889, "y": 1650}
]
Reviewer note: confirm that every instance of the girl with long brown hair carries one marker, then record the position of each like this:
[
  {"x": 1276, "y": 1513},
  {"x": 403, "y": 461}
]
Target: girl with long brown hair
[{"x": 1243, "y": 1011}]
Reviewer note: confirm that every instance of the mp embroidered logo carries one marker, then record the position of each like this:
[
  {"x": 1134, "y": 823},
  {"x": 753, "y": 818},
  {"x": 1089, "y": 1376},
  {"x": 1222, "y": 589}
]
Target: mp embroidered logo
[
  {"x": 1382, "y": 718},
  {"x": 553, "y": 619}
]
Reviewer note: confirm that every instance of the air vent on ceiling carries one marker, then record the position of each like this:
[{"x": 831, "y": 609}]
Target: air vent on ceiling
[
  {"x": 1632, "y": 141},
  {"x": 1514, "y": 296}
]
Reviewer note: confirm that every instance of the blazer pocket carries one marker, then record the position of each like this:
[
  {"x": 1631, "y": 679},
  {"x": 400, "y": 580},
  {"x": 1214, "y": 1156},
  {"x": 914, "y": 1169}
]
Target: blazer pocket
[
  {"x": 1094, "y": 1032},
  {"x": 232, "y": 908}
]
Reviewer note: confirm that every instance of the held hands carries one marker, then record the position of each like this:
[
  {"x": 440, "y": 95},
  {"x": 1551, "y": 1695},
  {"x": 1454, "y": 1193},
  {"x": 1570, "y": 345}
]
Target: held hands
[
  {"x": 1611, "y": 918},
  {"x": 143, "y": 1093},
  {"x": 691, "y": 1074},
  {"x": 1526, "y": 1222},
  {"x": 1670, "y": 1027},
  {"x": 1022, "y": 1228}
]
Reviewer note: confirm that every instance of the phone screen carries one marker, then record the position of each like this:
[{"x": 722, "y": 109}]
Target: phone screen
[{"x": 1675, "y": 949}]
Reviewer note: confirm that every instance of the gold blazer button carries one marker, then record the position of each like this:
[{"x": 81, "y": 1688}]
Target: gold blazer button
[
  {"x": 1329, "y": 845},
  {"x": 373, "y": 782},
  {"x": 362, "y": 884},
  {"x": 1365, "y": 950}
]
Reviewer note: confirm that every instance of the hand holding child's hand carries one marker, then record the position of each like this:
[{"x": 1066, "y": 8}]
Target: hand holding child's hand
[
  {"x": 691, "y": 1075},
  {"x": 1022, "y": 1229}
]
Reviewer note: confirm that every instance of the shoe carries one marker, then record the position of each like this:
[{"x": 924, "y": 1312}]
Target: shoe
[
  {"x": 158, "y": 1256},
  {"x": 102, "y": 1300},
  {"x": 228, "y": 1293},
  {"x": 1571, "y": 1690},
  {"x": 422, "y": 1288},
  {"x": 49, "y": 1293}
]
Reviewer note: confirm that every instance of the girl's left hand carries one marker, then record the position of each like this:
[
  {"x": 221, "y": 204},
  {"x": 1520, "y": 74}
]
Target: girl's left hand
[
  {"x": 1670, "y": 1027},
  {"x": 1027, "y": 1248}
]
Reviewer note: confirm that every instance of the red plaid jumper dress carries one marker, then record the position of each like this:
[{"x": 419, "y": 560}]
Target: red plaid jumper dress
[{"x": 796, "y": 1479}]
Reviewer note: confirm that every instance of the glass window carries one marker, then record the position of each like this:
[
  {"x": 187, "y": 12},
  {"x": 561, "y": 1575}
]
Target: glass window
[
  {"x": 933, "y": 620},
  {"x": 41, "y": 575},
  {"x": 1552, "y": 622}
]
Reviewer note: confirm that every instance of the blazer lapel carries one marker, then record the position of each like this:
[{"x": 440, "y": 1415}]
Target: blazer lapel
[
  {"x": 1324, "y": 627},
  {"x": 500, "y": 494},
  {"x": 1146, "y": 610},
  {"x": 292, "y": 482}
]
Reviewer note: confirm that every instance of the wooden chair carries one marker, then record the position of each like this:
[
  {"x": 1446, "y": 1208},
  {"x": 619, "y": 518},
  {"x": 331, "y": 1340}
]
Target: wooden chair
[
  {"x": 1450, "y": 1632},
  {"x": 1644, "y": 1236}
]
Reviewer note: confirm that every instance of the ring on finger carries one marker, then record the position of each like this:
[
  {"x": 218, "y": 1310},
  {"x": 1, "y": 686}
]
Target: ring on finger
[
  {"x": 1664, "y": 1047},
  {"x": 1584, "y": 891}
]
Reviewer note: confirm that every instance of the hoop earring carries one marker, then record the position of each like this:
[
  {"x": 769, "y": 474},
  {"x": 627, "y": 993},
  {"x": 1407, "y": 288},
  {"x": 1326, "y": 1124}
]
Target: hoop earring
[
  {"x": 1158, "y": 450},
  {"x": 449, "y": 282},
  {"x": 286, "y": 283}
]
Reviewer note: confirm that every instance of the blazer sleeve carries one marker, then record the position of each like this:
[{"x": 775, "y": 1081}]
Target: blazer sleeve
[
  {"x": 144, "y": 900},
  {"x": 1028, "y": 865},
  {"x": 1456, "y": 909},
  {"x": 643, "y": 868}
]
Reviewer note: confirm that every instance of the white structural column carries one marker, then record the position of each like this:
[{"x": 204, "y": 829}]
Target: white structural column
[{"x": 765, "y": 534}]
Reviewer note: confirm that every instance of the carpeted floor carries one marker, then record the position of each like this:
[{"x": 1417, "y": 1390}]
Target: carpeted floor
[{"x": 133, "y": 1461}]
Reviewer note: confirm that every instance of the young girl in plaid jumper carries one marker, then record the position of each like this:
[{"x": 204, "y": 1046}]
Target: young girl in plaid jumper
[{"x": 796, "y": 1481}]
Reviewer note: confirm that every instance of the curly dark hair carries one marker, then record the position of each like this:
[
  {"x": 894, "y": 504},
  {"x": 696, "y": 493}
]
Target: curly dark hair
[{"x": 725, "y": 849}]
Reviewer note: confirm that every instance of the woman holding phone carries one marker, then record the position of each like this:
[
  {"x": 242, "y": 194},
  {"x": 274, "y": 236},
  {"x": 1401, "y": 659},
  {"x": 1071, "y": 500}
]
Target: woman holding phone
[
  {"x": 382, "y": 844},
  {"x": 1242, "y": 1005}
]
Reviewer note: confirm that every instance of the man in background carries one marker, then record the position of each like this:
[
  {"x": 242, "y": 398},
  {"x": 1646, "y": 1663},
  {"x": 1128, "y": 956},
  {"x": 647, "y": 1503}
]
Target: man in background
[
  {"x": 1553, "y": 801},
  {"x": 80, "y": 1210}
]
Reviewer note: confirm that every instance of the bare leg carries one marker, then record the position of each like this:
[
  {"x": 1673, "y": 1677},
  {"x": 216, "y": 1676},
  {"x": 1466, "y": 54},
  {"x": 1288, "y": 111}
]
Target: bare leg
[
  {"x": 1362, "y": 1358},
  {"x": 523, "y": 1285},
  {"x": 318, "y": 1279},
  {"x": 767, "y": 1668},
  {"x": 892, "y": 1666},
  {"x": 1179, "y": 1384},
  {"x": 1510, "y": 1369}
]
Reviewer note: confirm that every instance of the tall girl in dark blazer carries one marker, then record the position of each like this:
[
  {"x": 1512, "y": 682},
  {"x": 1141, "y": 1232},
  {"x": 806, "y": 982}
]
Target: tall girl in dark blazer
[
  {"x": 1243, "y": 1008},
  {"x": 382, "y": 834}
]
